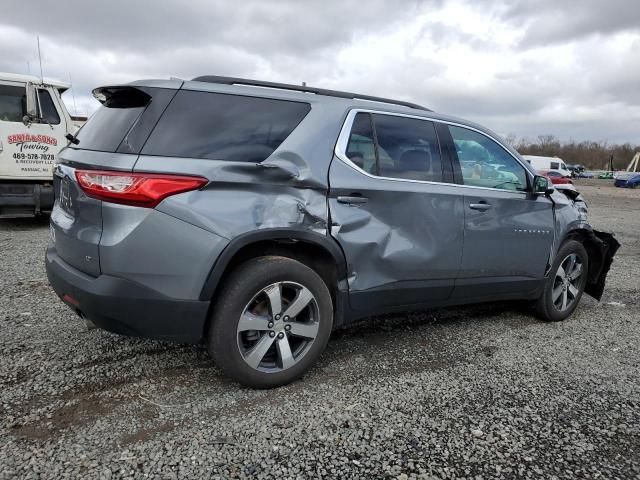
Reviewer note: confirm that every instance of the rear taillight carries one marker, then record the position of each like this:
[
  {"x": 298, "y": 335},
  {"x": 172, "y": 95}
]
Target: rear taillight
[{"x": 139, "y": 189}]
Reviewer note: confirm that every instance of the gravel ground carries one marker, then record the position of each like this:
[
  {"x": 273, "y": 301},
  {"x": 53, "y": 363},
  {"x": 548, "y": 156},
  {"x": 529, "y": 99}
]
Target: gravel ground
[{"x": 479, "y": 392}]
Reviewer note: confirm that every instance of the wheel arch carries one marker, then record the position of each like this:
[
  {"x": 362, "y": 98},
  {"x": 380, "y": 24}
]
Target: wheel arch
[{"x": 320, "y": 252}]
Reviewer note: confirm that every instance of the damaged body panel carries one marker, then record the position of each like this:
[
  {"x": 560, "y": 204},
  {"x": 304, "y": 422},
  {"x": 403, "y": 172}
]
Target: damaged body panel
[
  {"x": 571, "y": 221},
  {"x": 407, "y": 239},
  {"x": 447, "y": 236},
  {"x": 604, "y": 247}
]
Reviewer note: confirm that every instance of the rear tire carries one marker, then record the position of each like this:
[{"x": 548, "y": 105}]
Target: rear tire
[
  {"x": 271, "y": 322},
  {"x": 565, "y": 284}
]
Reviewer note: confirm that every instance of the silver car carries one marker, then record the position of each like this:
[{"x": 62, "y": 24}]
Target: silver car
[{"x": 258, "y": 217}]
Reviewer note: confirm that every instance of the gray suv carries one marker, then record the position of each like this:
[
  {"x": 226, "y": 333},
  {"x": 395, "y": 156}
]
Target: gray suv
[{"x": 257, "y": 217}]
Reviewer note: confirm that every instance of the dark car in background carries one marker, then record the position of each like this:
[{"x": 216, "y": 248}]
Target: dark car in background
[
  {"x": 626, "y": 180},
  {"x": 258, "y": 217},
  {"x": 576, "y": 170}
]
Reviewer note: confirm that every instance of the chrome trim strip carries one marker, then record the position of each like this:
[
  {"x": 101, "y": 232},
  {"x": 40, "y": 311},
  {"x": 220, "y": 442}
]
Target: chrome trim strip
[{"x": 343, "y": 140}]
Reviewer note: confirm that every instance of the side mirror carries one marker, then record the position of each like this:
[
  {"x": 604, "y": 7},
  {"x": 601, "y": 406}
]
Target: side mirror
[
  {"x": 541, "y": 185},
  {"x": 32, "y": 101}
]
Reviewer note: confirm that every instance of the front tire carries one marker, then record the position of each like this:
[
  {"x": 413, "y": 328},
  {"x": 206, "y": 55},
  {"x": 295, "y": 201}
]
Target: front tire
[
  {"x": 565, "y": 284},
  {"x": 271, "y": 322}
]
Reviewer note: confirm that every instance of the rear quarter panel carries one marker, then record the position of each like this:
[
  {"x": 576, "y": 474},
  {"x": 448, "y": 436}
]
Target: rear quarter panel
[{"x": 288, "y": 189}]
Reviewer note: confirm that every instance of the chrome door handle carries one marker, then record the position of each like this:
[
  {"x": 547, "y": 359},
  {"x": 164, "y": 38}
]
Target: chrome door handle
[
  {"x": 483, "y": 207},
  {"x": 352, "y": 199}
]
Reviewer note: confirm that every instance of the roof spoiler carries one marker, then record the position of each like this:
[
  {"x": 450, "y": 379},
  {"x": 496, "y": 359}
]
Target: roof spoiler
[{"x": 121, "y": 96}]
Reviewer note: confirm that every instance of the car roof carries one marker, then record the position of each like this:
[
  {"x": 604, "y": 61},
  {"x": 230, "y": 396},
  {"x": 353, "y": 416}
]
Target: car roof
[
  {"x": 304, "y": 88},
  {"x": 365, "y": 102}
]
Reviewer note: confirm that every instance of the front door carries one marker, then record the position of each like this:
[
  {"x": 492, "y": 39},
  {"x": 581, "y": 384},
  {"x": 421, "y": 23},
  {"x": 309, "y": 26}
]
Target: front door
[
  {"x": 508, "y": 232},
  {"x": 28, "y": 151},
  {"x": 400, "y": 226}
]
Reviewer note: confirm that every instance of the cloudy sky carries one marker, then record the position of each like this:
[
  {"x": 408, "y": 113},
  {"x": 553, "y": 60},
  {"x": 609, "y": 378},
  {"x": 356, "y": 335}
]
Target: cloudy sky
[{"x": 528, "y": 67}]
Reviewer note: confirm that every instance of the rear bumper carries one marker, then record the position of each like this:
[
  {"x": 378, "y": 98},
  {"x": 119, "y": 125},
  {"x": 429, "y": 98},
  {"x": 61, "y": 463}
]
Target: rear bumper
[
  {"x": 19, "y": 199},
  {"x": 126, "y": 307}
]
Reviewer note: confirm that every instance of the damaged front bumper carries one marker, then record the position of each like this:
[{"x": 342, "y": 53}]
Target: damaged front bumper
[{"x": 601, "y": 247}]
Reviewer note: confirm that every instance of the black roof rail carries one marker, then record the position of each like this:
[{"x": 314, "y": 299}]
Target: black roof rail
[{"x": 302, "y": 88}]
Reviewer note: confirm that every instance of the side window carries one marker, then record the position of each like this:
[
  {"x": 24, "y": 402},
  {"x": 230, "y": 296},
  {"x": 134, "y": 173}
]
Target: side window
[
  {"x": 407, "y": 148},
  {"x": 554, "y": 165},
  {"x": 49, "y": 113},
  {"x": 484, "y": 163},
  {"x": 220, "y": 126},
  {"x": 13, "y": 103},
  {"x": 361, "y": 149}
]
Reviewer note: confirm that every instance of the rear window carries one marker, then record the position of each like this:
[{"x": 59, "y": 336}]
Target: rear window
[
  {"x": 224, "y": 127},
  {"x": 13, "y": 102}
]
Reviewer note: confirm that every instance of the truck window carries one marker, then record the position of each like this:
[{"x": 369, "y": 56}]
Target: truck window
[
  {"x": 49, "y": 113},
  {"x": 13, "y": 103},
  {"x": 554, "y": 165}
]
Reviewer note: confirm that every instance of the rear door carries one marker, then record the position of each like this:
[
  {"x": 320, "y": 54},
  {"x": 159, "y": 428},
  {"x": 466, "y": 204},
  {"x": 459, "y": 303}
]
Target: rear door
[
  {"x": 508, "y": 232},
  {"x": 111, "y": 139},
  {"x": 400, "y": 225}
]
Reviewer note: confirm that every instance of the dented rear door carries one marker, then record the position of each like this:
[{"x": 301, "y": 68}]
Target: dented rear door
[{"x": 400, "y": 226}]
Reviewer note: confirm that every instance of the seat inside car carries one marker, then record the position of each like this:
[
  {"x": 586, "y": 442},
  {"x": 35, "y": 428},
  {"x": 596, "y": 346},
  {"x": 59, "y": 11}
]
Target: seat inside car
[{"x": 415, "y": 164}]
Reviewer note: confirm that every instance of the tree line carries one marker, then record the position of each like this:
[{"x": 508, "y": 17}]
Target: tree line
[{"x": 593, "y": 155}]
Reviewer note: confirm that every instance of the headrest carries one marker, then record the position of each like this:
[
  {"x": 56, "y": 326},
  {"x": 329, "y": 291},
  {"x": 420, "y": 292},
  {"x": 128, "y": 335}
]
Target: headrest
[{"x": 415, "y": 160}]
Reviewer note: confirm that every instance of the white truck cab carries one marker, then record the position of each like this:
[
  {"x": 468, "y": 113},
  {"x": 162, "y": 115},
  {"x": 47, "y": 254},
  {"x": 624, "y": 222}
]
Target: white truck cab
[
  {"x": 33, "y": 126},
  {"x": 548, "y": 164}
]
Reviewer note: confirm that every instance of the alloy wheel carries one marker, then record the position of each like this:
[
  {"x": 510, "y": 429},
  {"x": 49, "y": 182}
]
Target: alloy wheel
[
  {"x": 278, "y": 327},
  {"x": 566, "y": 286}
]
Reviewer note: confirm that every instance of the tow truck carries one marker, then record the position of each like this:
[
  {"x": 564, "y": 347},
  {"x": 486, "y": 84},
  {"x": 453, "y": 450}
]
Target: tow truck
[{"x": 34, "y": 126}]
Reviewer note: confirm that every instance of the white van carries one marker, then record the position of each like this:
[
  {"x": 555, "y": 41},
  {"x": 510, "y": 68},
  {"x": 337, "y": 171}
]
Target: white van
[
  {"x": 548, "y": 164},
  {"x": 33, "y": 126}
]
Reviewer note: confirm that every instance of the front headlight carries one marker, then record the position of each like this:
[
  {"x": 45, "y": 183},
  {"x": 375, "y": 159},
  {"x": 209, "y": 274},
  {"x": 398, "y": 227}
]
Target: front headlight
[{"x": 582, "y": 211}]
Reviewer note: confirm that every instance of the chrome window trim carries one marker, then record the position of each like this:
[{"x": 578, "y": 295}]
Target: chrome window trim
[{"x": 345, "y": 132}]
